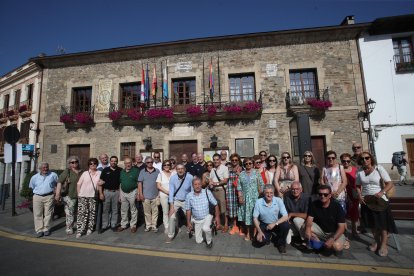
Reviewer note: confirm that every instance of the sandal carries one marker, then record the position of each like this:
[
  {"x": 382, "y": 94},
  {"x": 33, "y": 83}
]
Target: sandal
[
  {"x": 383, "y": 252},
  {"x": 347, "y": 245},
  {"x": 373, "y": 247},
  {"x": 225, "y": 229}
]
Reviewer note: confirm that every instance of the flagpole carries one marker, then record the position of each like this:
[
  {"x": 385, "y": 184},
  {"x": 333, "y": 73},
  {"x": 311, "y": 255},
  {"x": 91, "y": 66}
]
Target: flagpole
[
  {"x": 211, "y": 81},
  {"x": 204, "y": 87},
  {"x": 166, "y": 79},
  {"x": 162, "y": 86},
  {"x": 218, "y": 74}
]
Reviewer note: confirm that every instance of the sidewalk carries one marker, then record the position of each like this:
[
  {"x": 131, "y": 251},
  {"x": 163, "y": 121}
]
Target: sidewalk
[{"x": 225, "y": 245}]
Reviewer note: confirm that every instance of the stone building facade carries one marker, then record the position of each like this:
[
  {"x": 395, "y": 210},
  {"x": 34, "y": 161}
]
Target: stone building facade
[{"x": 271, "y": 69}]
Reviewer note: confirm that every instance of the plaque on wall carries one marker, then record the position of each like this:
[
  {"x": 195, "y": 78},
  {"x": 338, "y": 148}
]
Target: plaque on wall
[
  {"x": 271, "y": 70},
  {"x": 245, "y": 147},
  {"x": 104, "y": 96},
  {"x": 184, "y": 66}
]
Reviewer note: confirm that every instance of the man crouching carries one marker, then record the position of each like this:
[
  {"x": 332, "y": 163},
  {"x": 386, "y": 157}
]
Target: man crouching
[{"x": 197, "y": 207}]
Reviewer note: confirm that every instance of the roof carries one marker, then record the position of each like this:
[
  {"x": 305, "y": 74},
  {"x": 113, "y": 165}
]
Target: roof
[
  {"x": 392, "y": 24},
  {"x": 209, "y": 44}
]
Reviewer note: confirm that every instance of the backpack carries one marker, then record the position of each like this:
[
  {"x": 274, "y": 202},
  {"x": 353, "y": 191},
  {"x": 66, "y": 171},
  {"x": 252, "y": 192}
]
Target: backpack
[{"x": 397, "y": 158}]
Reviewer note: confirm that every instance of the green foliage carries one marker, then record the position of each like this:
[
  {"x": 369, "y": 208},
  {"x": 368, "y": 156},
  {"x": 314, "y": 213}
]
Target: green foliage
[{"x": 26, "y": 192}]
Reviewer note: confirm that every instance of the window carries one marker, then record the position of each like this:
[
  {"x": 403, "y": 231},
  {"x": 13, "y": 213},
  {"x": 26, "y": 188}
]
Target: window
[
  {"x": 24, "y": 132},
  {"x": 303, "y": 84},
  {"x": 130, "y": 95},
  {"x": 17, "y": 97},
  {"x": 184, "y": 91},
  {"x": 6, "y": 102},
  {"x": 30, "y": 93},
  {"x": 127, "y": 150},
  {"x": 403, "y": 54},
  {"x": 242, "y": 88},
  {"x": 82, "y": 99}
]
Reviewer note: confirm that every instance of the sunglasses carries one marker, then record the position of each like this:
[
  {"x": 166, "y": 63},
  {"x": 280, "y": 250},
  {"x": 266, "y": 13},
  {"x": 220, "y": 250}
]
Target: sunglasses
[
  {"x": 258, "y": 162},
  {"x": 235, "y": 160},
  {"x": 356, "y": 148},
  {"x": 73, "y": 162},
  {"x": 167, "y": 165},
  {"x": 346, "y": 161},
  {"x": 156, "y": 157},
  {"x": 149, "y": 162},
  {"x": 307, "y": 155},
  {"x": 285, "y": 157},
  {"x": 272, "y": 160},
  {"x": 209, "y": 165},
  {"x": 92, "y": 164},
  {"x": 366, "y": 157},
  {"x": 248, "y": 163},
  {"x": 331, "y": 158},
  {"x": 324, "y": 194}
]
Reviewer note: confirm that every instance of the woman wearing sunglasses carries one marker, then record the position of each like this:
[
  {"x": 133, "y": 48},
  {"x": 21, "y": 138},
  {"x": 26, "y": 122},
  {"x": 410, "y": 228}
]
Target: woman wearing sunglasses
[
  {"x": 163, "y": 185},
  {"x": 259, "y": 166},
  {"x": 87, "y": 190},
  {"x": 231, "y": 191},
  {"x": 309, "y": 174},
  {"x": 248, "y": 189},
  {"x": 70, "y": 197},
  {"x": 206, "y": 175},
  {"x": 334, "y": 175},
  {"x": 271, "y": 164},
  {"x": 370, "y": 176},
  {"x": 352, "y": 192},
  {"x": 286, "y": 173}
]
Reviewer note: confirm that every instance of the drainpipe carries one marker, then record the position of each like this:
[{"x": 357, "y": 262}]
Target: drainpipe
[{"x": 37, "y": 130}]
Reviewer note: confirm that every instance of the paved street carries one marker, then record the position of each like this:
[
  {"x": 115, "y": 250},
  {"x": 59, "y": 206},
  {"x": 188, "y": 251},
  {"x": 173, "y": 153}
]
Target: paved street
[{"x": 16, "y": 238}]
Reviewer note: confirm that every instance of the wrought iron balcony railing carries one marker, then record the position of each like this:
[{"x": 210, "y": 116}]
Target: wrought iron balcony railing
[
  {"x": 404, "y": 63},
  {"x": 77, "y": 116},
  {"x": 299, "y": 98}
]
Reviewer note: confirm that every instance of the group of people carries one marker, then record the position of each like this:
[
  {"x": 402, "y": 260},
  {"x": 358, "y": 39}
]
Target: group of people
[{"x": 258, "y": 198}]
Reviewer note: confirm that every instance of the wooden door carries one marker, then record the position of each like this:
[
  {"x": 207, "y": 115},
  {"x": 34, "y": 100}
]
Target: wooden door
[
  {"x": 83, "y": 152},
  {"x": 410, "y": 155},
  {"x": 177, "y": 148},
  {"x": 318, "y": 150}
]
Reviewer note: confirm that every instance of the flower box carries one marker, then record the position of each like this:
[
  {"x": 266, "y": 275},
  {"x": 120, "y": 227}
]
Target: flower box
[
  {"x": 66, "y": 118},
  {"x": 160, "y": 113},
  {"x": 134, "y": 114},
  {"x": 82, "y": 118},
  {"x": 194, "y": 110},
  {"x": 115, "y": 115},
  {"x": 319, "y": 104}
]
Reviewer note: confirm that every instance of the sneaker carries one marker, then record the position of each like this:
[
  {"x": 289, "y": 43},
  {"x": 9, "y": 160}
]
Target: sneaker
[
  {"x": 155, "y": 229},
  {"x": 78, "y": 235},
  {"x": 46, "y": 233},
  {"x": 168, "y": 240},
  {"x": 39, "y": 234},
  {"x": 88, "y": 233},
  {"x": 147, "y": 229},
  {"x": 289, "y": 236},
  {"x": 209, "y": 245},
  {"x": 69, "y": 231}
]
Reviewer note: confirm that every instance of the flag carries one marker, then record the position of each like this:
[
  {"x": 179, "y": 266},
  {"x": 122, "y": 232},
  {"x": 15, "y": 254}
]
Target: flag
[
  {"x": 165, "y": 82},
  {"x": 147, "y": 84},
  {"x": 154, "y": 84},
  {"x": 142, "y": 86},
  {"x": 211, "y": 80}
]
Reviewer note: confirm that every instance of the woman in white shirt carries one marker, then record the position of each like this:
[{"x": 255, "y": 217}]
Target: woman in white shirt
[
  {"x": 381, "y": 222},
  {"x": 163, "y": 182}
]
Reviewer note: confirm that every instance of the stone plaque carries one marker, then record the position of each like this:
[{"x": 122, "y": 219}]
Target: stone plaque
[
  {"x": 274, "y": 149},
  {"x": 182, "y": 131},
  {"x": 185, "y": 66},
  {"x": 272, "y": 124},
  {"x": 104, "y": 96},
  {"x": 271, "y": 70}
]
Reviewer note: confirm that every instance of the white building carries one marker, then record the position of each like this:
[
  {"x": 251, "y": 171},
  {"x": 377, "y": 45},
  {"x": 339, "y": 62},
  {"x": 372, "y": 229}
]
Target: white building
[
  {"x": 19, "y": 106},
  {"x": 386, "y": 52}
]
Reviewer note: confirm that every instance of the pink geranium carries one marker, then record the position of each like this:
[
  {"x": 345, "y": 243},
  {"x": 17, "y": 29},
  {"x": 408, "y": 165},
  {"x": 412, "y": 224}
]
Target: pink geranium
[
  {"x": 82, "y": 118},
  {"x": 66, "y": 118},
  {"x": 134, "y": 114},
  {"x": 115, "y": 115},
  {"x": 319, "y": 104}
]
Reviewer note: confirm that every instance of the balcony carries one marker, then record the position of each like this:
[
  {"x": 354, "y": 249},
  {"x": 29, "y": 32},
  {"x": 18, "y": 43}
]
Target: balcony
[
  {"x": 404, "y": 63},
  {"x": 13, "y": 112},
  {"x": 25, "y": 108},
  {"x": 310, "y": 103},
  {"x": 77, "y": 117},
  {"x": 160, "y": 113}
]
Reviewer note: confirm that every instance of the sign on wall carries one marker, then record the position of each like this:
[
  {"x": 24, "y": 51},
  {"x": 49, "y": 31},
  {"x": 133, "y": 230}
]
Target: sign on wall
[
  {"x": 271, "y": 70},
  {"x": 184, "y": 66},
  {"x": 104, "y": 96}
]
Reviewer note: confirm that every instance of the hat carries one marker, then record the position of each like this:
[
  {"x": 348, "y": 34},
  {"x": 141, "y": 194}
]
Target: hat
[{"x": 375, "y": 204}]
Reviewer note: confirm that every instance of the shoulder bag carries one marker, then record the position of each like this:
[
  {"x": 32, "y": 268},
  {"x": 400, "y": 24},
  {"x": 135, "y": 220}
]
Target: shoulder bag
[
  {"x": 94, "y": 187},
  {"x": 211, "y": 206},
  {"x": 181, "y": 184},
  {"x": 65, "y": 185}
]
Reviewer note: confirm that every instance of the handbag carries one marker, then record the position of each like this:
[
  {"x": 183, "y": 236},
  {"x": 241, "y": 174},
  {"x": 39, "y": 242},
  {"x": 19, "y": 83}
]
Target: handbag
[
  {"x": 65, "y": 185},
  {"x": 390, "y": 192},
  {"x": 375, "y": 204},
  {"x": 211, "y": 206}
]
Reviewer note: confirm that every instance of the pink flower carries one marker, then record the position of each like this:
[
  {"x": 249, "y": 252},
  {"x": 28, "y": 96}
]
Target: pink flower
[
  {"x": 211, "y": 110},
  {"x": 82, "y": 118},
  {"x": 156, "y": 113},
  {"x": 134, "y": 114},
  {"x": 194, "y": 110},
  {"x": 233, "y": 108},
  {"x": 23, "y": 108},
  {"x": 319, "y": 104},
  {"x": 67, "y": 118},
  {"x": 252, "y": 107},
  {"x": 115, "y": 115}
]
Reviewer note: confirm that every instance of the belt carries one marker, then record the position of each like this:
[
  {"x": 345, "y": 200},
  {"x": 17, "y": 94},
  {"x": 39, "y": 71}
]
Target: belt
[
  {"x": 109, "y": 190},
  {"x": 51, "y": 193}
]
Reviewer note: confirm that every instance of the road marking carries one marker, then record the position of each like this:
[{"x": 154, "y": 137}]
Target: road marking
[{"x": 172, "y": 255}]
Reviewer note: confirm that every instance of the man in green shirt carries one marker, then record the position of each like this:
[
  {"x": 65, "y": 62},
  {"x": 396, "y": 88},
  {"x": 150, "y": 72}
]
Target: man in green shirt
[{"x": 128, "y": 195}]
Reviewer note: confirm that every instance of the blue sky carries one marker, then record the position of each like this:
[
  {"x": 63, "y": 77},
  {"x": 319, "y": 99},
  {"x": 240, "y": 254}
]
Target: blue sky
[{"x": 32, "y": 27}]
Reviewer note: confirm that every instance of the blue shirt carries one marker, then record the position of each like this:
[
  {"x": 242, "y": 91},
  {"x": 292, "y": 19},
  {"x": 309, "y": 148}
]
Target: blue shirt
[
  {"x": 43, "y": 184},
  {"x": 184, "y": 190},
  {"x": 198, "y": 203},
  {"x": 269, "y": 214}
]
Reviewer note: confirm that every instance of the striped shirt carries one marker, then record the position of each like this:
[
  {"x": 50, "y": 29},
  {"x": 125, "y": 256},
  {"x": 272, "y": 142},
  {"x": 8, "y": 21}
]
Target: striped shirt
[{"x": 198, "y": 204}]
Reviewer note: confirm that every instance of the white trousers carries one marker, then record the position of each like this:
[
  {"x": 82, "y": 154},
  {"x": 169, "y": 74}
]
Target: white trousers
[{"x": 202, "y": 227}]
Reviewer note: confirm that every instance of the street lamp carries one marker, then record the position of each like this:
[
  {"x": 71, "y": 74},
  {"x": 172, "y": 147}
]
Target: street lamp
[{"x": 369, "y": 107}]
